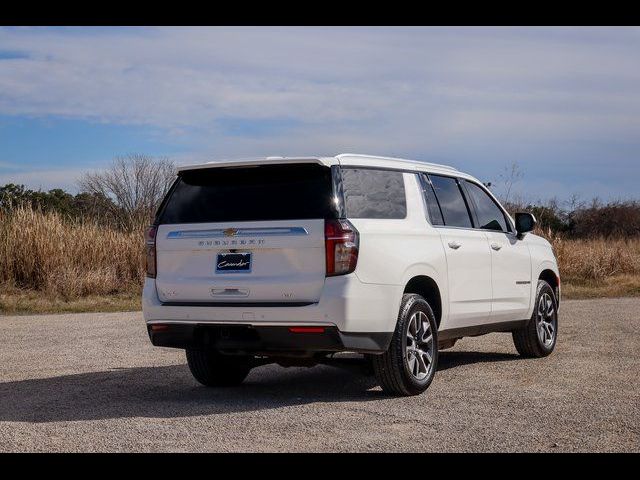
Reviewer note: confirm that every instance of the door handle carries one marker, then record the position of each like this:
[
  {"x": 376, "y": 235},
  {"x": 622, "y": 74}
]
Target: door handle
[
  {"x": 455, "y": 244},
  {"x": 496, "y": 246},
  {"x": 230, "y": 292}
]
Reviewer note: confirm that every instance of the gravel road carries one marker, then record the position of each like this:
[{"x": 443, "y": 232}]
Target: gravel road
[{"x": 93, "y": 382}]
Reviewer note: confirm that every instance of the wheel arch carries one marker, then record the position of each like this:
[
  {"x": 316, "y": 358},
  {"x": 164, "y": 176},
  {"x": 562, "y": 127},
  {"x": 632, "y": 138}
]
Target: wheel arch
[
  {"x": 428, "y": 288},
  {"x": 553, "y": 279}
]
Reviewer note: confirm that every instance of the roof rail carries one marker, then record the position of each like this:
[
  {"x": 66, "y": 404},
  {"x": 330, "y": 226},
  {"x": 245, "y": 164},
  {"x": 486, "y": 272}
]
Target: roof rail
[{"x": 379, "y": 157}]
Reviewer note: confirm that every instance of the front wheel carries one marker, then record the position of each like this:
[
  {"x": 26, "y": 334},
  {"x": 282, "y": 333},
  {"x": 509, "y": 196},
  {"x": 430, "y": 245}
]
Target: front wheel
[
  {"x": 410, "y": 362},
  {"x": 215, "y": 370},
  {"x": 538, "y": 337}
]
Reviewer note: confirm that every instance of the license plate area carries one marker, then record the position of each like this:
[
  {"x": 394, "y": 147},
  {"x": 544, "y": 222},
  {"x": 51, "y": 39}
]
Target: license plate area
[{"x": 235, "y": 262}]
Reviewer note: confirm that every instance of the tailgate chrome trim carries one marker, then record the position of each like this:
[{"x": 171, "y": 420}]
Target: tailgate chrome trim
[{"x": 239, "y": 232}]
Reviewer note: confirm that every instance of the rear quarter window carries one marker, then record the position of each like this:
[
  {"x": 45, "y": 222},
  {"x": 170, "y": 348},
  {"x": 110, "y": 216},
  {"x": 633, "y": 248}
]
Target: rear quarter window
[{"x": 370, "y": 193}]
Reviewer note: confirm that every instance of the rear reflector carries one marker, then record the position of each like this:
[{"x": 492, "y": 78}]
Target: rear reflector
[
  {"x": 159, "y": 328},
  {"x": 306, "y": 329}
]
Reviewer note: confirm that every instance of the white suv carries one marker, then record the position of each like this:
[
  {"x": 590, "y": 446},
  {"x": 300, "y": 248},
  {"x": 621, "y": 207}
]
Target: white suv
[{"x": 291, "y": 260}]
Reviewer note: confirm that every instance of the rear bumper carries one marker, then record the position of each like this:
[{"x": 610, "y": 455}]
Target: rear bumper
[
  {"x": 268, "y": 340},
  {"x": 346, "y": 303},
  {"x": 355, "y": 316}
]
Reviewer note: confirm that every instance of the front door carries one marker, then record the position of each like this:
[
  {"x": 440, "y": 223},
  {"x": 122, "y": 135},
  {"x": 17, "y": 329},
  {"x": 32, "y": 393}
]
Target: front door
[
  {"x": 510, "y": 277},
  {"x": 510, "y": 257}
]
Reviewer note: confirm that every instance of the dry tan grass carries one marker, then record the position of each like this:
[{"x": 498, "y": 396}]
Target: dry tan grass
[
  {"x": 68, "y": 259},
  {"x": 49, "y": 264},
  {"x": 597, "y": 259},
  {"x": 615, "y": 286},
  {"x": 597, "y": 267},
  {"x": 586, "y": 260}
]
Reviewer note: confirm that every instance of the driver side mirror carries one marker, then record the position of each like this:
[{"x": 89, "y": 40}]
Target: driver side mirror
[{"x": 525, "y": 222}]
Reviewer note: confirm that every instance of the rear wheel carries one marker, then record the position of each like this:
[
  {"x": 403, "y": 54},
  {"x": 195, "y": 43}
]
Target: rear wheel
[
  {"x": 538, "y": 337},
  {"x": 215, "y": 370},
  {"x": 410, "y": 362}
]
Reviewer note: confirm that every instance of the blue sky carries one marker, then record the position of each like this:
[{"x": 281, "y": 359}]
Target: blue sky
[{"x": 564, "y": 103}]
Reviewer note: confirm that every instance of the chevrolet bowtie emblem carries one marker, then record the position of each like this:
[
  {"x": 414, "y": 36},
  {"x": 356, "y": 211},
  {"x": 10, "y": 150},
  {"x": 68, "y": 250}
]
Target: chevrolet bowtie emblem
[{"x": 230, "y": 232}]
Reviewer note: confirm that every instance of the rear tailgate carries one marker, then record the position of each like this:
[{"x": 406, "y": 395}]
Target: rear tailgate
[
  {"x": 245, "y": 235},
  {"x": 286, "y": 262}
]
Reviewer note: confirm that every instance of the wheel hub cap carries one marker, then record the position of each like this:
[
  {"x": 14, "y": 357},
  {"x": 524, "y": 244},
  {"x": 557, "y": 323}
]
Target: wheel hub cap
[
  {"x": 420, "y": 348},
  {"x": 546, "y": 321}
]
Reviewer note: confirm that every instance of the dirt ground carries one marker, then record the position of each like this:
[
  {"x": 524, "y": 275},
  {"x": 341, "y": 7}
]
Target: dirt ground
[{"x": 93, "y": 382}]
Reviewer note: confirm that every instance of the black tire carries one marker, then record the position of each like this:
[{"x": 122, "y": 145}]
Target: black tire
[
  {"x": 527, "y": 339},
  {"x": 392, "y": 368},
  {"x": 215, "y": 370}
]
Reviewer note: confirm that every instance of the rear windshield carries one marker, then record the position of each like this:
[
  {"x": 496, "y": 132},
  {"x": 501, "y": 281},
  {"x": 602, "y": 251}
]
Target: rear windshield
[{"x": 265, "y": 192}]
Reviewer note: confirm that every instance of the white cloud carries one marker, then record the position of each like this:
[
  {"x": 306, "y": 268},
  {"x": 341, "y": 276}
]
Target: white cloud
[
  {"x": 184, "y": 77},
  {"x": 443, "y": 93}
]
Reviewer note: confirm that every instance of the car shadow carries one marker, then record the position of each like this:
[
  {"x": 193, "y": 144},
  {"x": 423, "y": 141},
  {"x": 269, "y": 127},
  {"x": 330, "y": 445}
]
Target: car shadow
[
  {"x": 448, "y": 359},
  {"x": 170, "y": 391}
]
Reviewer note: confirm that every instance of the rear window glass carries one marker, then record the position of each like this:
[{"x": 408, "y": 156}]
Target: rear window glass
[
  {"x": 265, "y": 192},
  {"x": 372, "y": 193},
  {"x": 452, "y": 203}
]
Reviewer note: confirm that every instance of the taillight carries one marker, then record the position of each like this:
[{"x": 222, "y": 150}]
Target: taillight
[
  {"x": 150, "y": 249},
  {"x": 341, "y": 246}
]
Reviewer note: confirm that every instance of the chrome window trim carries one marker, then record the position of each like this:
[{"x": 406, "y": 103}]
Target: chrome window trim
[{"x": 477, "y": 230}]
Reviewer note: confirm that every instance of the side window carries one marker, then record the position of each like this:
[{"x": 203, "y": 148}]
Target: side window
[
  {"x": 430, "y": 200},
  {"x": 372, "y": 193},
  {"x": 452, "y": 203},
  {"x": 489, "y": 214}
]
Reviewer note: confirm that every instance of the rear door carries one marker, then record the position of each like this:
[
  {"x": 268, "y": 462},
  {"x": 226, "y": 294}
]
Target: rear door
[
  {"x": 252, "y": 234},
  {"x": 467, "y": 252}
]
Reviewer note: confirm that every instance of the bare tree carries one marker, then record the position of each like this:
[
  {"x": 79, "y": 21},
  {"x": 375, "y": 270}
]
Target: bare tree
[
  {"x": 574, "y": 202},
  {"x": 137, "y": 183},
  {"x": 510, "y": 175}
]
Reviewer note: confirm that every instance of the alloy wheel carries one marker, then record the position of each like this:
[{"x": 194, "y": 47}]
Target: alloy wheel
[
  {"x": 546, "y": 321},
  {"x": 420, "y": 347}
]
